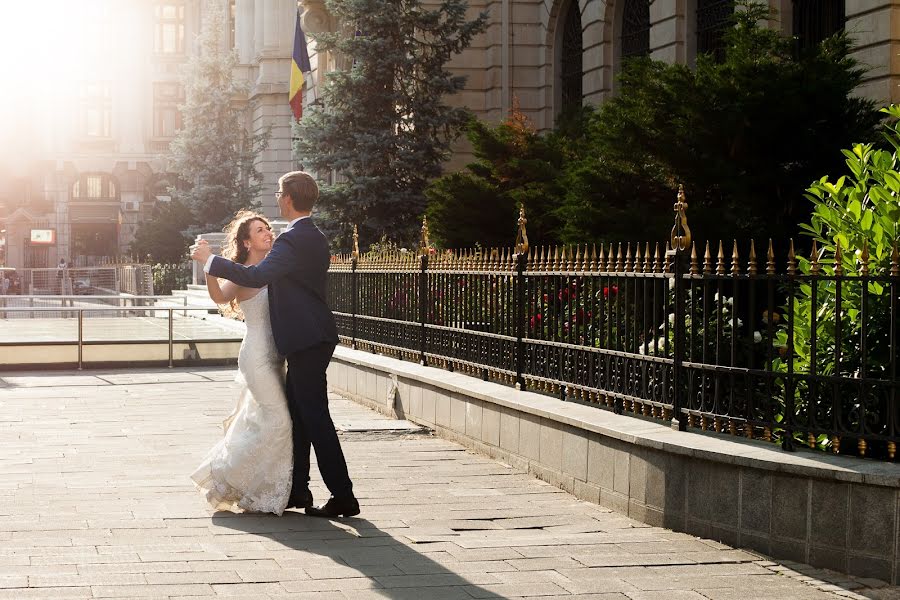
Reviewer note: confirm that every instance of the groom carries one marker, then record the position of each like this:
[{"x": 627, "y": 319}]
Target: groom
[{"x": 296, "y": 271}]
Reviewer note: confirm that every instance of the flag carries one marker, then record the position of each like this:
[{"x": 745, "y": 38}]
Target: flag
[{"x": 299, "y": 66}]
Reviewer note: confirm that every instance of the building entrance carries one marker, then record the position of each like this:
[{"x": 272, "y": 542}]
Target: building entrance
[{"x": 92, "y": 242}]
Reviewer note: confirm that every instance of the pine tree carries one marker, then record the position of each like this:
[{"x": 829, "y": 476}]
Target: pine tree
[
  {"x": 385, "y": 128},
  {"x": 213, "y": 153}
]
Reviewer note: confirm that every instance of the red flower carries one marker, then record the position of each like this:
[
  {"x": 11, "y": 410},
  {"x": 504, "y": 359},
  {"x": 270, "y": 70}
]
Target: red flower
[
  {"x": 563, "y": 295},
  {"x": 546, "y": 298},
  {"x": 536, "y": 320},
  {"x": 613, "y": 290}
]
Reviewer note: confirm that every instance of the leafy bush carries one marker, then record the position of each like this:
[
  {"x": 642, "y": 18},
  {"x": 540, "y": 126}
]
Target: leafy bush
[{"x": 856, "y": 218}]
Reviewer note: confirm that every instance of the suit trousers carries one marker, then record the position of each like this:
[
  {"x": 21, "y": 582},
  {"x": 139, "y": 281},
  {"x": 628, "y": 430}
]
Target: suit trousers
[{"x": 307, "y": 395}]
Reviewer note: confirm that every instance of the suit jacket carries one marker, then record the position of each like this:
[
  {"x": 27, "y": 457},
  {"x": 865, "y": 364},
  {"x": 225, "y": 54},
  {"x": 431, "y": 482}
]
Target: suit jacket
[{"x": 296, "y": 271}]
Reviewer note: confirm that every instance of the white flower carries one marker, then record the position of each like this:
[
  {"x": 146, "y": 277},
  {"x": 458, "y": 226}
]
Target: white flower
[{"x": 757, "y": 337}]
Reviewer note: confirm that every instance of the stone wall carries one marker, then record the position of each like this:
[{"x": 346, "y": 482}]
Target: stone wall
[{"x": 829, "y": 511}]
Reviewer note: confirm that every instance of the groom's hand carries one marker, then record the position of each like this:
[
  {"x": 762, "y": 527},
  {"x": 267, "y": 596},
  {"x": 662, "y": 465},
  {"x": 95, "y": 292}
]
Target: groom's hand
[{"x": 201, "y": 252}]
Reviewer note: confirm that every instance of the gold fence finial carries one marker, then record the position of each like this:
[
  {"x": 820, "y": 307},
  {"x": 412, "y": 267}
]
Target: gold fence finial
[
  {"x": 355, "y": 253},
  {"x": 522, "y": 234},
  {"x": 681, "y": 233},
  {"x": 424, "y": 243}
]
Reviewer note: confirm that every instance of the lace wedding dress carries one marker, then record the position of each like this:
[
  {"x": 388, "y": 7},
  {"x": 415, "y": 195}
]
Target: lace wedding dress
[{"x": 250, "y": 469}]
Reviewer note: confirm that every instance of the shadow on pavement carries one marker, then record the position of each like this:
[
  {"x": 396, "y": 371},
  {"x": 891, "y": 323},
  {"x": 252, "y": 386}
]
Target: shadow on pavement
[{"x": 353, "y": 556}]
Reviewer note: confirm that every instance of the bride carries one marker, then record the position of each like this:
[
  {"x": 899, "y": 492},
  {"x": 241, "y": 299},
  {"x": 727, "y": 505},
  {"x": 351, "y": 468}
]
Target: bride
[{"x": 250, "y": 469}]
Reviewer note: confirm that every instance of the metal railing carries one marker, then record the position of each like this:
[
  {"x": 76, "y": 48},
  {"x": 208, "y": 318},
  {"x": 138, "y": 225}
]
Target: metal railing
[
  {"x": 725, "y": 343},
  {"x": 115, "y": 311},
  {"x": 48, "y": 301}
]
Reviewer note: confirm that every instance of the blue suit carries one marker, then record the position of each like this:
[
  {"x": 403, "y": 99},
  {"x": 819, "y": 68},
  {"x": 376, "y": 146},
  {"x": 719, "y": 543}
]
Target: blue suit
[{"x": 296, "y": 271}]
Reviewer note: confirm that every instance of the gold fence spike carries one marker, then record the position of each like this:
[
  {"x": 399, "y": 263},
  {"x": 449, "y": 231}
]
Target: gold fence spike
[
  {"x": 522, "y": 233},
  {"x": 554, "y": 266},
  {"x": 792, "y": 260},
  {"x": 657, "y": 262},
  {"x": 720, "y": 267},
  {"x": 735, "y": 260},
  {"x": 770, "y": 259},
  {"x": 424, "y": 242},
  {"x": 638, "y": 265},
  {"x": 619, "y": 260},
  {"x": 601, "y": 259},
  {"x": 814, "y": 259},
  {"x": 695, "y": 268},
  {"x": 707, "y": 260},
  {"x": 629, "y": 267},
  {"x": 355, "y": 242},
  {"x": 593, "y": 265},
  {"x": 861, "y": 447},
  {"x": 751, "y": 266},
  {"x": 838, "y": 259},
  {"x": 648, "y": 263},
  {"x": 665, "y": 259},
  {"x": 864, "y": 258}
]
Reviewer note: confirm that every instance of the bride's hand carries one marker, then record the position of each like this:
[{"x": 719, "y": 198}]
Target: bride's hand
[{"x": 201, "y": 252}]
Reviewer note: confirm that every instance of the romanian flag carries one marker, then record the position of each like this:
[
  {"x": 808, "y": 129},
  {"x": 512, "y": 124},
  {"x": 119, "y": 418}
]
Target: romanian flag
[{"x": 299, "y": 66}]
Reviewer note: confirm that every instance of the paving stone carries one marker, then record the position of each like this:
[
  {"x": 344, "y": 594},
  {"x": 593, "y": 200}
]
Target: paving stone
[{"x": 96, "y": 501}]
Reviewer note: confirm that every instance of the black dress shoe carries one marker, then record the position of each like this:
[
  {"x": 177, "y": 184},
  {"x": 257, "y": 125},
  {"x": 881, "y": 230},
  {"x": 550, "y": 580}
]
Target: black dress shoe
[
  {"x": 302, "y": 500},
  {"x": 335, "y": 507}
]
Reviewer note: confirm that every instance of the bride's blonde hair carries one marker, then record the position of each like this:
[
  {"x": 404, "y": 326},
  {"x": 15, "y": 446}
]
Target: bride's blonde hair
[{"x": 237, "y": 232}]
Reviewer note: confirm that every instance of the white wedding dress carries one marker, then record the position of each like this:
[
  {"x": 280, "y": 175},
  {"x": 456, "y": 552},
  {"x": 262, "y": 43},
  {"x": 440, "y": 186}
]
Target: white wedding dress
[{"x": 251, "y": 468}]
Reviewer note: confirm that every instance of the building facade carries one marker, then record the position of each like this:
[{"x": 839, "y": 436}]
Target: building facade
[
  {"x": 92, "y": 172},
  {"x": 77, "y": 178}
]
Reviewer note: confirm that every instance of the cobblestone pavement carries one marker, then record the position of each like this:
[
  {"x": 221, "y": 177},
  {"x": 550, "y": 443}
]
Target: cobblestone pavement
[{"x": 95, "y": 502}]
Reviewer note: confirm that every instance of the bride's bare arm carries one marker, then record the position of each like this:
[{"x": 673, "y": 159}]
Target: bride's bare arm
[{"x": 221, "y": 291}]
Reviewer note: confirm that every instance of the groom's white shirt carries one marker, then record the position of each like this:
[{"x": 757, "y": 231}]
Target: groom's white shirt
[{"x": 209, "y": 260}]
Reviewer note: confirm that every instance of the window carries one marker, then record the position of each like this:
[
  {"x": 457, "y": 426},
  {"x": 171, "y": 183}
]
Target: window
[
  {"x": 94, "y": 187},
  {"x": 169, "y": 38},
  {"x": 166, "y": 116},
  {"x": 635, "y": 37},
  {"x": 571, "y": 68},
  {"x": 816, "y": 20},
  {"x": 96, "y": 110},
  {"x": 713, "y": 18}
]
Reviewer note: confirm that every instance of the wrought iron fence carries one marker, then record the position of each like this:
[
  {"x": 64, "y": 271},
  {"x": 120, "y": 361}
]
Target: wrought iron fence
[
  {"x": 171, "y": 276},
  {"x": 715, "y": 340}
]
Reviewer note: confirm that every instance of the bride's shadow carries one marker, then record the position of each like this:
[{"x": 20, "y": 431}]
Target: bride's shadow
[{"x": 353, "y": 556}]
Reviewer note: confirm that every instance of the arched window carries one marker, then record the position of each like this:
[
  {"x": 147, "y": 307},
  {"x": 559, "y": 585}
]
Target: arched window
[
  {"x": 713, "y": 18},
  {"x": 95, "y": 187},
  {"x": 816, "y": 20},
  {"x": 571, "y": 68},
  {"x": 635, "y": 35}
]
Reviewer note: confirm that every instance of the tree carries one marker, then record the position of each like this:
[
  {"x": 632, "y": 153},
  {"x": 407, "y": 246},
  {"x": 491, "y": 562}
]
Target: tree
[
  {"x": 213, "y": 153},
  {"x": 745, "y": 135},
  {"x": 162, "y": 235},
  {"x": 514, "y": 166},
  {"x": 385, "y": 128}
]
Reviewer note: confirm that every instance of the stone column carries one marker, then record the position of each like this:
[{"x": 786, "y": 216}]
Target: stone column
[
  {"x": 269, "y": 93},
  {"x": 669, "y": 31},
  {"x": 874, "y": 26}
]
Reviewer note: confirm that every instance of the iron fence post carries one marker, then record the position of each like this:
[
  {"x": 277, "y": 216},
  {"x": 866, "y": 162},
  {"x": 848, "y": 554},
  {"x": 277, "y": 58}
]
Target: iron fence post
[
  {"x": 678, "y": 420},
  {"x": 521, "y": 260},
  {"x": 354, "y": 301},
  {"x": 681, "y": 241},
  {"x": 423, "y": 304}
]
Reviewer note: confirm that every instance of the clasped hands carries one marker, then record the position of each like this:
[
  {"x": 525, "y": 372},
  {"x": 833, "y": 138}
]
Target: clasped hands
[{"x": 201, "y": 252}]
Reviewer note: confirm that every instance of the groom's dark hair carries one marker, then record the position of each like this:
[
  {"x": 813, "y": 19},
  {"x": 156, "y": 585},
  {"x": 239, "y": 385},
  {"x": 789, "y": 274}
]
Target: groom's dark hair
[{"x": 302, "y": 189}]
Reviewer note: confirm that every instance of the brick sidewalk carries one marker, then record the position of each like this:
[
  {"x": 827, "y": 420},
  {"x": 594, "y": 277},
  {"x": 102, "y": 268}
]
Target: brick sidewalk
[{"x": 95, "y": 502}]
